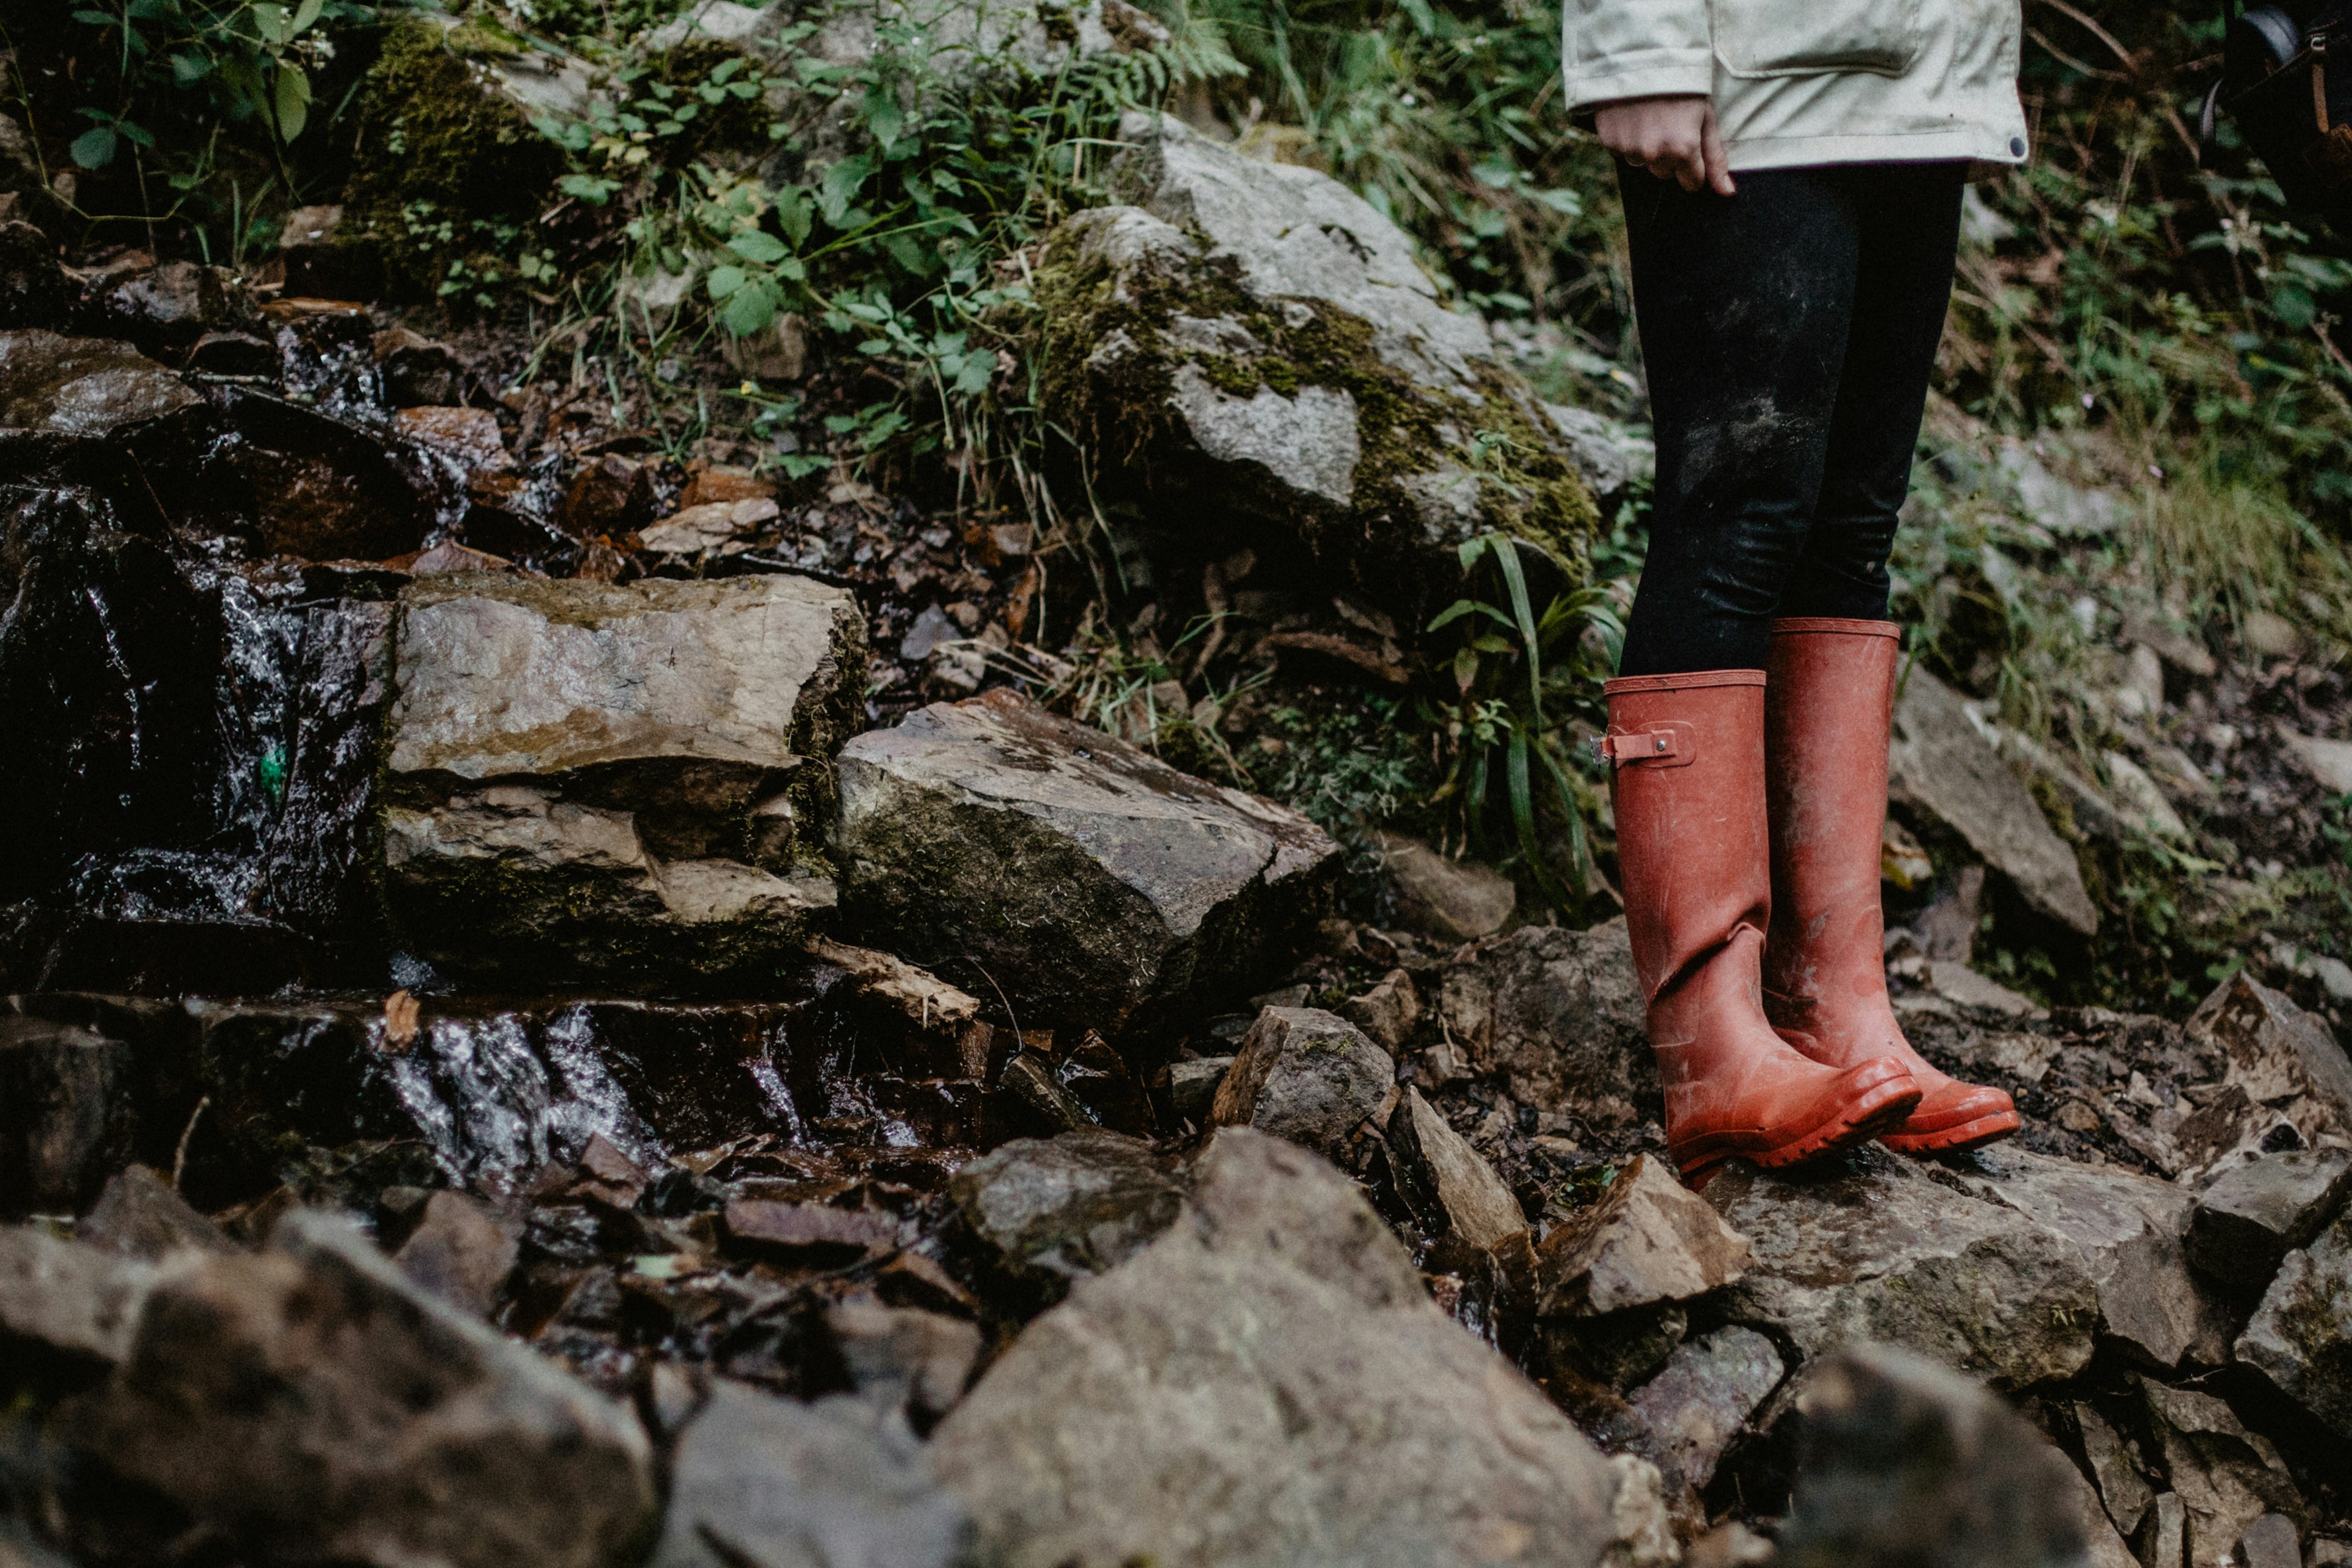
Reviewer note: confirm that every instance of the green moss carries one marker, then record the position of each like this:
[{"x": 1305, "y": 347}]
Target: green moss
[
  {"x": 1526, "y": 485},
  {"x": 444, "y": 161}
]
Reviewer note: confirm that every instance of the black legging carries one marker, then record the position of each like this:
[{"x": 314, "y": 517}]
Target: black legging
[{"x": 1788, "y": 332}]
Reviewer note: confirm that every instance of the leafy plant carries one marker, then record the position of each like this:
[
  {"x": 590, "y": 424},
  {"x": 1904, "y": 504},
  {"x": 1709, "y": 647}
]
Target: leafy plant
[{"x": 1508, "y": 662}]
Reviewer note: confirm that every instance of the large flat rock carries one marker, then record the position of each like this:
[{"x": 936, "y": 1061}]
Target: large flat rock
[
  {"x": 1872, "y": 1247},
  {"x": 1945, "y": 769},
  {"x": 1269, "y": 1382},
  {"x": 1007, "y": 846},
  {"x": 2131, "y": 1232},
  {"x": 1264, "y": 341},
  {"x": 586, "y": 780}
]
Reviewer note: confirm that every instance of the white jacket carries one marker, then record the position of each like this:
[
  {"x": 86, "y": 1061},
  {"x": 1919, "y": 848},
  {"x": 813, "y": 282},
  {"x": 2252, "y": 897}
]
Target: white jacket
[{"x": 1815, "y": 82}]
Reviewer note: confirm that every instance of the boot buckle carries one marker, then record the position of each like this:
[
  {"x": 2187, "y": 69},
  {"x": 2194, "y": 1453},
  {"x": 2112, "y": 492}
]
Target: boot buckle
[{"x": 1666, "y": 745}]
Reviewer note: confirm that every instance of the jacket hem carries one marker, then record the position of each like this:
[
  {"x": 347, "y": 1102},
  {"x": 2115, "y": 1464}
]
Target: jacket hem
[
  {"x": 1675, "y": 73},
  {"x": 1975, "y": 145}
]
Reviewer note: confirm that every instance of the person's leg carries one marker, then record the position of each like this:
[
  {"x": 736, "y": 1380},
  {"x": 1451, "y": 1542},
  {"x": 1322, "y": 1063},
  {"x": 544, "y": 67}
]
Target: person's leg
[
  {"x": 1908, "y": 233},
  {"x": 1830, "y": 691},
  {"x": 1743, "y": 304}
]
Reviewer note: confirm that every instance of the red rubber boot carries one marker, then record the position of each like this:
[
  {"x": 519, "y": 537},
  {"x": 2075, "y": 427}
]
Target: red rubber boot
[
  {"x": 1828, "y": 708},
  {"x": 1688, "y": 787}
]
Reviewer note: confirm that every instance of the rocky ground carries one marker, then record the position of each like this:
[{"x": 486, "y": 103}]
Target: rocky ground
[{"x": 571, "y": 998}]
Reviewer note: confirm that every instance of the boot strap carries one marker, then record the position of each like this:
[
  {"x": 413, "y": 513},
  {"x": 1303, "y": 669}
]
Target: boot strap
[{"x": 1669, "y": 745}]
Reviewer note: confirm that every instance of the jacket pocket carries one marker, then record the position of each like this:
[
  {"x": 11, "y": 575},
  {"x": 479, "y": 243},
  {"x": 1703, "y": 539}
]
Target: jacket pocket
[{"x": 1801, "y": 37}]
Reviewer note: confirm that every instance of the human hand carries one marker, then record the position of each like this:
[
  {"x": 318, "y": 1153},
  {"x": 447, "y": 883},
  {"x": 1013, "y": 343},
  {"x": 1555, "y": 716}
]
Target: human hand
[{"x": 1674, "y": 138}]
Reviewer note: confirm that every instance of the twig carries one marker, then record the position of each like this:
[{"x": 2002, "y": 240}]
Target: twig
[{"x": 180, "y": 1154}]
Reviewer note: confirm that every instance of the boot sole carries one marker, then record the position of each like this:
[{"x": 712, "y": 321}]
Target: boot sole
[
  {"x": 1974, "y": 1134},
  {"x": 1868, "y": 1116}
]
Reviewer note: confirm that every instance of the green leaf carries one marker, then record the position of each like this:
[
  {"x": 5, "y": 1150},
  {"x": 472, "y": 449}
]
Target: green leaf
[
  {"x": 979, "y": 369},
  {"x": 307, "y": 14},
  {"x": 94, "y": 149},
  {"x": 842, "y": 183},
  {"x": 749, "y": 310},
  {"x": 726, "y": 280},
  {"x": 189, "y": 69},
  {"x": 1506, "y": 556},
  {"x": 588, "y": 188},
  {"x": 292, "y": 100},
  {"x": 795, "y": 212},
  {"x": 884, "y": 118},
  {"x": 763, "y": 248},
  {"x": 271, "y": 22}
]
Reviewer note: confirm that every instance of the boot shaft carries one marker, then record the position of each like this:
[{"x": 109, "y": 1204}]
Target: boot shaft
[
  {"x": 1829, "y": 708},
  {"x": 1687, "y": 787}
]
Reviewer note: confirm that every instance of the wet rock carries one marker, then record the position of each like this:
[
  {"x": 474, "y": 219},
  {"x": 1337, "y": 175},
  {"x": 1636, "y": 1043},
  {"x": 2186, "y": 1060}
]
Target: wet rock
[
  {"x": 594, "y": 780},
  {"x": 922, "y": 997},
  {"x": 1872, "y": 1248},
  {"x": 2130, "y": 1231},
  {"x": 141, "y": 1216},
  {"x": 2225, "y": 1476},
  {"x": 1388, "y": 1012},
  {"x": 1081, "y": 875},
  {"x": 1205, "y": 1403},
  {"x": 905, "y": 1360},
  {"x": 65, "y": 1115},
  {"x": 1648, "y": 1239},
  {"x": 56, "y": 389},
  {"x": 417, "y": 370},
  {"x": 612, "y": 496},
  {"x": 313, "y": 1397},
  {"x": 76, "y": 1299},
  {"x": 1944, "y": 769},
  {"x": 482, "y": 1091},
  {"x": 1265, "y": 336},
  {"x": 460, "y": 1252},
  {"x": 35, "y": 288},
  {"x": 1558, "y": 1015},
  {"x": 469, "y": 438},
  {"x": 1452, "y": 1182},
  {"x": 1438, "y": 896},
  {"x": 2300, "y": 1338},
  {"x": 763, "y": 1482},
  {"x": 1684, "y": 1418},
  {"x": 1901, "y": 1460},
  {"x": 1068, "y": 1206},
  {"x": 165, "y": 308},
  {"x": 233, "y": 353},
  {"x": 1304, "y": 1074},
  {"x": 2252, "y": 1215}
]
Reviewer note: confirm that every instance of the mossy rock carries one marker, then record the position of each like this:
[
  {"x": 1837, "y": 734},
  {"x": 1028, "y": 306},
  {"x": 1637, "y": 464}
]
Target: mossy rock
[
  {"x": 446, "y": 156},
  {"x": 1258, "y": 361}
]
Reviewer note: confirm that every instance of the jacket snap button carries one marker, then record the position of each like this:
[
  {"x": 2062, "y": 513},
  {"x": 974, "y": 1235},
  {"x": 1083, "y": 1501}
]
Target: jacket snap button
[{"x": 2017, "y": 146}]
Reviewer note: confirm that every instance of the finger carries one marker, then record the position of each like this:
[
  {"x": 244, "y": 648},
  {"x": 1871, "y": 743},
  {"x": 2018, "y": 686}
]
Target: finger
[
  {"x": 1717, "y": 157},
  {"x": 1689, "y": 167}
]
